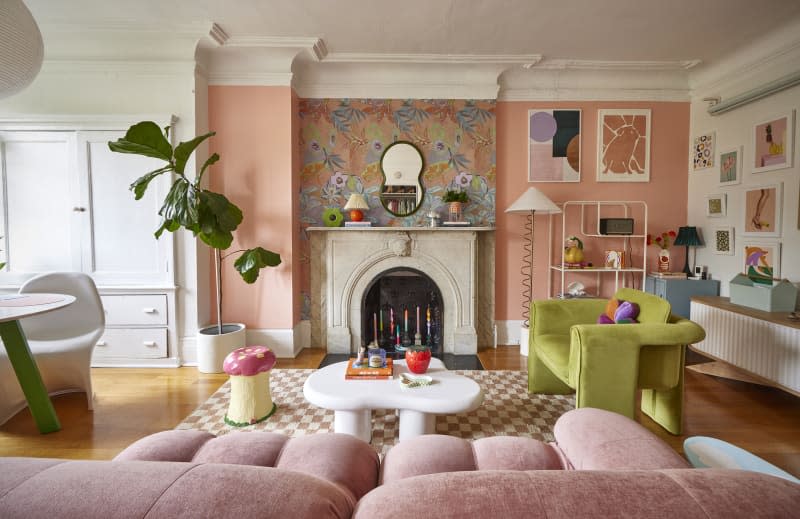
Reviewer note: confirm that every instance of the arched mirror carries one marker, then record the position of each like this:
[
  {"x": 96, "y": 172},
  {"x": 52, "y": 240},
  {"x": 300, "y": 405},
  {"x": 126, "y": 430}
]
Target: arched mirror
[{"x": 401, "y": 190}]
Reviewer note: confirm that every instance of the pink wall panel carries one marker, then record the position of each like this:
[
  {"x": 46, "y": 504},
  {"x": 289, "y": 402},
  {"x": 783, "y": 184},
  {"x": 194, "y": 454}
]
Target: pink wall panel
[
  {"x": 257, "y": 172},
  {"x": 665, "y": 194}
]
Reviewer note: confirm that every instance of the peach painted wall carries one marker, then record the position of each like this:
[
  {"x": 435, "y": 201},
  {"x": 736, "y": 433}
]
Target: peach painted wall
[
  {"x": 257, "y": 172},
  {"x": 665, "y": 194}
]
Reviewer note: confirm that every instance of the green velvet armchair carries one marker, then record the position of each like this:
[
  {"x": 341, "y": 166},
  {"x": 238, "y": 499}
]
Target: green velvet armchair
[{"x": 606, "y": 364}]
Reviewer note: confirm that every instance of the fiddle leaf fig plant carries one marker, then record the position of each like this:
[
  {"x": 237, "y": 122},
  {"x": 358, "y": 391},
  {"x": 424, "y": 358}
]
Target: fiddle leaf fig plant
[{"x": 208, "y": 215}]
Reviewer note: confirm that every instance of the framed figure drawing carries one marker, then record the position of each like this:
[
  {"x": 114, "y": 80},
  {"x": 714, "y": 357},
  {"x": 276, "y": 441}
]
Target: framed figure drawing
[
  {"x": 723, "y": 241},
  {"x": 730, "y": 166},
  {"x": 762, "y": 210},
  {"x": 716, "y": 205},
  {"x": 762, "y": 261},
  {"x": 773, "y": 143},
  {"x": 554, "y": 145},
  {"x": 703, "y": 151},
  {"x": 623, "y": 145}
]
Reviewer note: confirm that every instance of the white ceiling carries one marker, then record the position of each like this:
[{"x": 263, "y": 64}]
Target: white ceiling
[{"x": 603, "y": 30}]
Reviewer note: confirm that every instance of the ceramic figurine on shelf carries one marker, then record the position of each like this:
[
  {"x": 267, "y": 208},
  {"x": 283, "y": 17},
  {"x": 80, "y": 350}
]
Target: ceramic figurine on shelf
[{"x": 360, "y": 358}]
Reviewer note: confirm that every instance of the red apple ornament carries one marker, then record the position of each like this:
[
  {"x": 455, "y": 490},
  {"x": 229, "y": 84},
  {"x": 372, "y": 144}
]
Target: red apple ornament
[{"x": 418, "y": 359}]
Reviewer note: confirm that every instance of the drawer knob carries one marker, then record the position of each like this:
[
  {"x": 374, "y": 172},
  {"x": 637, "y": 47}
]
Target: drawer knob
[
  {"x": 149, "y": 310},
  {"x": 149, "y": 343},
  {"x": 101, "y": 343}
]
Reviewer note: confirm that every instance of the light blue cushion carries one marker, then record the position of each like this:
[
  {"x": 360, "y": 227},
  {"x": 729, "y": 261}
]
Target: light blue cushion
[{"x": 705, "y": 452}]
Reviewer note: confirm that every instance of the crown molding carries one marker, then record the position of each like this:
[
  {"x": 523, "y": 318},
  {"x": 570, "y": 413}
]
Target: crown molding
[
  {"x": 315, "y": 46},
  {"x": 526, "y": 60},
  {"x": 765, "y": 60},
  {"x": 639, "y": 66},
  {"x": 594, "y": 94},
  {"x": 65, "y": 67}
]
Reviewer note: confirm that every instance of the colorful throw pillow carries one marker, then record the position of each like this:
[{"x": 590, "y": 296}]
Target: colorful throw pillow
[{"x": 619, "y": 312}]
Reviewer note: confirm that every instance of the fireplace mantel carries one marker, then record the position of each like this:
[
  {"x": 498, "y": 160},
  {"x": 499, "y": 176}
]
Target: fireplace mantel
[{"x": 344, "y": 261}]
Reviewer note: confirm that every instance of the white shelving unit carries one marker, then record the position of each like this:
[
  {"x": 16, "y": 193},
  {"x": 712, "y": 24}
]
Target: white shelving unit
[{"x": 591, "y": 211}]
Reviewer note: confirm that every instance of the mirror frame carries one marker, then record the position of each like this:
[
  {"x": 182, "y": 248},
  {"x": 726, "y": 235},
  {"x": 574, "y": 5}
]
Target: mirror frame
[{"x": 419, "y": 179}]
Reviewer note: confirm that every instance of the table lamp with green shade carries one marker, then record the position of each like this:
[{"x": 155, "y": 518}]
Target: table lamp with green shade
[{"x": 688, "y": 237}]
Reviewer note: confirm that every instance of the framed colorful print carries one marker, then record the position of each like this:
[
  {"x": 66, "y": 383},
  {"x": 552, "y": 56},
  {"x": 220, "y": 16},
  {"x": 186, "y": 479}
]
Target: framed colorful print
[
  {"x": 716, "y": 205},
  {"x": 724, "y": 241},
  {"x": 762, "y": 210},
  {"x": 730, "y": 166},
  {"x": 762, "y": 261},
  {"x": 703, "y": 151},
  {"x": 773, "y": 143},
  {"x": 554, "y": 145},
  {"x": 623, "y": 145}
]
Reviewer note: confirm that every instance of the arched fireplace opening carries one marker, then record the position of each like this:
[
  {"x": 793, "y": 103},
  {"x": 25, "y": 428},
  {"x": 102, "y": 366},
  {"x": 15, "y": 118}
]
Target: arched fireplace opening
[{"x": 400, "y": 308}]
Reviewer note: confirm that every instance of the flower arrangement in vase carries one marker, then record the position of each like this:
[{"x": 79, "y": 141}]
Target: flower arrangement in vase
[{"x": 663, "y": 242}]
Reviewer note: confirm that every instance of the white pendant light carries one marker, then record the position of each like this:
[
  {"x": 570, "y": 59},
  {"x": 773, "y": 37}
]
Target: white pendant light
[{"x": 21, "y": 47}]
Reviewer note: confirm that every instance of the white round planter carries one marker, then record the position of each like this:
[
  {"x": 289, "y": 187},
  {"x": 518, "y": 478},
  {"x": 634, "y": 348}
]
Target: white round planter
[{"x": 212, "y": 347}]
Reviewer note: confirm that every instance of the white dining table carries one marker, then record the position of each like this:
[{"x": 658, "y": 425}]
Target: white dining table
[{"x": 14, "y": 307}]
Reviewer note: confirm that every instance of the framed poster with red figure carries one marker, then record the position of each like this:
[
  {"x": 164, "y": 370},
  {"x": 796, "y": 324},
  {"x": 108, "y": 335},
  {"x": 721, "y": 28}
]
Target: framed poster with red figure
[{"x": 623, "y": 145}]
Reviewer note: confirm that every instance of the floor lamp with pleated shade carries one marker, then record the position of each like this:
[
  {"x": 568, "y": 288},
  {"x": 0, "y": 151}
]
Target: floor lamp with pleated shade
[{"x": 532, "y": 201}]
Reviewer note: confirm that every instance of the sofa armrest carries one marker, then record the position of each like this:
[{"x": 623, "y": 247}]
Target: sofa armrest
[
  {"x": 596, "y": 439},
  {"x": 681, "y": 331},
  {"x": 555, "y": 316}
]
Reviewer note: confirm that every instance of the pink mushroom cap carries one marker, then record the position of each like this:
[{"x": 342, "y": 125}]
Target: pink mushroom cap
[{"x": 249, "y": 361}]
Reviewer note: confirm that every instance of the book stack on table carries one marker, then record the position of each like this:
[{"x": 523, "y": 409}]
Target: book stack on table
[
  {"x": 363, "y": 371},
  {"x": 669, "y": 275}
]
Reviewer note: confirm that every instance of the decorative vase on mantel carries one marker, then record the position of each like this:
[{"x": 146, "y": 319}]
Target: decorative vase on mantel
[
  {"x": 663, "y": 260},
  {"x": 455, "y": 211}
]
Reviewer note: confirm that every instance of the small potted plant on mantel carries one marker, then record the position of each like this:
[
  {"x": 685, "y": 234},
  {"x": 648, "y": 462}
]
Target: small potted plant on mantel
[
  {"x": 455, "y": 198},
  {"x": 208, "y": 215}
]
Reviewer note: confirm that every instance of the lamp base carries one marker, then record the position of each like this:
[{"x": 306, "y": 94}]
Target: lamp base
[
  {"x": 686, "y": 269},
  {"x": 356, "y": 215}
]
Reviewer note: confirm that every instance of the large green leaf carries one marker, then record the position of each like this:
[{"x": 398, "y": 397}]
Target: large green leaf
[
  {"x": 228, "y": 216},
  {"x": 209, "y": 161},
  {"x": 217, "y": 219},
  {"x": 181, "y": 204},
  {"x": 250, "y": 263},
  {"x": 144, "y": 138},
  {"x": 185, "y": 149},
  {"x": 139, "y": 186}
]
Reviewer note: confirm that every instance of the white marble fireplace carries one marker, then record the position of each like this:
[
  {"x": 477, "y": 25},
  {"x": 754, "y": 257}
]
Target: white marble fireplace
[{"x": 345, "y": 261}]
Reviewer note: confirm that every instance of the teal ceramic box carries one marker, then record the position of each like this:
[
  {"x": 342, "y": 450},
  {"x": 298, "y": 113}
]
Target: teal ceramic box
[{"x": 780, "y": 297}]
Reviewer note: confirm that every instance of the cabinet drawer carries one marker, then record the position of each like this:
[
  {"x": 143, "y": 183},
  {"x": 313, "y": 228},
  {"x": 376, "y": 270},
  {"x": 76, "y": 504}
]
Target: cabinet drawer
[
  {"x": 138, "y": 343},
  {"x": 135, "y": 310}
]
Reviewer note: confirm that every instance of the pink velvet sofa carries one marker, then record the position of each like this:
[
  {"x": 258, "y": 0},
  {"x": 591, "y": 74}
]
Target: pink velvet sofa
[{"x": 601, "y": 465}]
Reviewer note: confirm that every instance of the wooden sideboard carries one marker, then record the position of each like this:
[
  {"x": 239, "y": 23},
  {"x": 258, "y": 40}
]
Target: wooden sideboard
[{"x": 765, "y": 344}]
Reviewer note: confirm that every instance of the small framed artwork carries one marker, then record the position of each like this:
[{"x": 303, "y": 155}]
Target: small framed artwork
[
  {"x": 716, "y": 205},
  {"x": 703, "y": 151},
  {"x": 730, "y": 166},
  {"x": 614, "y": 259},
  {"x": 724, "y": 241},
  {"x": 762, "y": 261},
  {"x": 623, "y": 145},
  {"x": 554, "y": 145},
  {"x": 773, "y": 143},
  {"x": 762, "y": 210}
]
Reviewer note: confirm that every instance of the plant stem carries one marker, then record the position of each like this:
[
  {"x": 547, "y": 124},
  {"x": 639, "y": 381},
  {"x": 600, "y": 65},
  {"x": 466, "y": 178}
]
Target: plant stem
[
  {"x": 230, "y": 253},
  {"x": 218, "y": 264}
]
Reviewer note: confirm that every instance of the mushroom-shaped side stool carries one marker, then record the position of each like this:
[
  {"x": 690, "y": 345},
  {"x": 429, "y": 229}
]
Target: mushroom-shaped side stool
[{"x": 250, "y": 398}]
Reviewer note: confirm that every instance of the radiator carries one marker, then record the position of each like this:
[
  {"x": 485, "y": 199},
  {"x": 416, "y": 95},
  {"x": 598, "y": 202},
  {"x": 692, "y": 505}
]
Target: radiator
[{"x": 761, "y": 347}]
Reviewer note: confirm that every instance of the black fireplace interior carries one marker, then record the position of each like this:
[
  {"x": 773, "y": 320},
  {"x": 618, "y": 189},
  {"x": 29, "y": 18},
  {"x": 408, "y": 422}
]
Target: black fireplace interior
[{"x": 401, "y": 308}]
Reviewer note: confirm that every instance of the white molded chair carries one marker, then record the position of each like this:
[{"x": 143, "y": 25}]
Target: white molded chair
[{"x": 61, "y": 341}]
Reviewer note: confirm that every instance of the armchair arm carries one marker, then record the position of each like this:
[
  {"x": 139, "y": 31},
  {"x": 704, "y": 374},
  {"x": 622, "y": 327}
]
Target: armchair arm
[
  {"x": 681, "y": 331},
  {"x": 555, "y": 316}
]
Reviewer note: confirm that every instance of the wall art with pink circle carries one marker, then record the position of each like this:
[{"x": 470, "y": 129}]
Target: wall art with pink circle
[{"x": 554, "y": 145}]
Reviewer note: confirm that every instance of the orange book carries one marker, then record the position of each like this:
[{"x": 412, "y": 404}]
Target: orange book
[{"x": 367, "y": 373}]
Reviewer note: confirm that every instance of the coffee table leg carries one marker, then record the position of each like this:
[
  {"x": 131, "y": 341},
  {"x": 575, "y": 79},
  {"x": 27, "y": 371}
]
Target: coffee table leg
[
  {"x": 414, "y": 423},
  {"x": 357, "y": 423}
]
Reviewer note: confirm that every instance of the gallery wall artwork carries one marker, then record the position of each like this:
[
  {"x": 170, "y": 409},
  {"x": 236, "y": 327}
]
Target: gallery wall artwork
[
  {"x": 723, "y": 241},
  {"x": 762, "y": 210},
  {"x": 730, "y": 166},
  {"x": 773, "y": 143},
  {"x": 623, "y": 145},
  {"x": 703, "y": 151},
  {"x": 762, "y": 261},
  {"x": 554, "y": 145},
  {"x": 716, "y": 205}
]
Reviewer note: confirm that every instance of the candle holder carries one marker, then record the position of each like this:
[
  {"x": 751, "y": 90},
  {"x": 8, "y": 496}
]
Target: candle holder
[
  {"x": 418, "y": 339},
  {"x": 406, "y": 340}
]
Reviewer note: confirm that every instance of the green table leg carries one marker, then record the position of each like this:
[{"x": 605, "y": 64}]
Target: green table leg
[{"x": 19, "y": 353}]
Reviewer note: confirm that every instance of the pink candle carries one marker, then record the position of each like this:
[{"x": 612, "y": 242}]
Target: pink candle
[
  {"x": 417, "y": 319},
  {"x": 375, "y": 327},
  {"x": 391, "y": 320},
  {"x": 398, "y": 336},
  {"x": 405, "y": 320}
]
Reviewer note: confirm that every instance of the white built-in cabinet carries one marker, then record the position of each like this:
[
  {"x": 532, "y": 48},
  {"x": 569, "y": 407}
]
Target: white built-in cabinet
[{"x": 65, "y": 206}]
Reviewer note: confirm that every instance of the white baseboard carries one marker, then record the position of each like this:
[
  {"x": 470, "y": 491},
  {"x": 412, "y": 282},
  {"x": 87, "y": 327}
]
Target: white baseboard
[
  {"x": 188, "y": 351},
  {"x": 280, "y": 341},
  {"x": 508, "y": 332}
]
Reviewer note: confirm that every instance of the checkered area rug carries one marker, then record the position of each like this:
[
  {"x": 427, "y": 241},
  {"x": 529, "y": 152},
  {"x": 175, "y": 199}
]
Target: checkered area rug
[{"x": 508, "y": 409}]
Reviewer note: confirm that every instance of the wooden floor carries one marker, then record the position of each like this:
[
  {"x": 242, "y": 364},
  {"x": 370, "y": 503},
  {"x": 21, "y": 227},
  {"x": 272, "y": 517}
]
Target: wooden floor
[{"x": 131, "y": 403}]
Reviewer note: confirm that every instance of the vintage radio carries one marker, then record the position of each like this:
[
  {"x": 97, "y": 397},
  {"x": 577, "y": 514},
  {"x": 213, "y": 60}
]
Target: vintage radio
[{"x": 616, "y": 225}]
